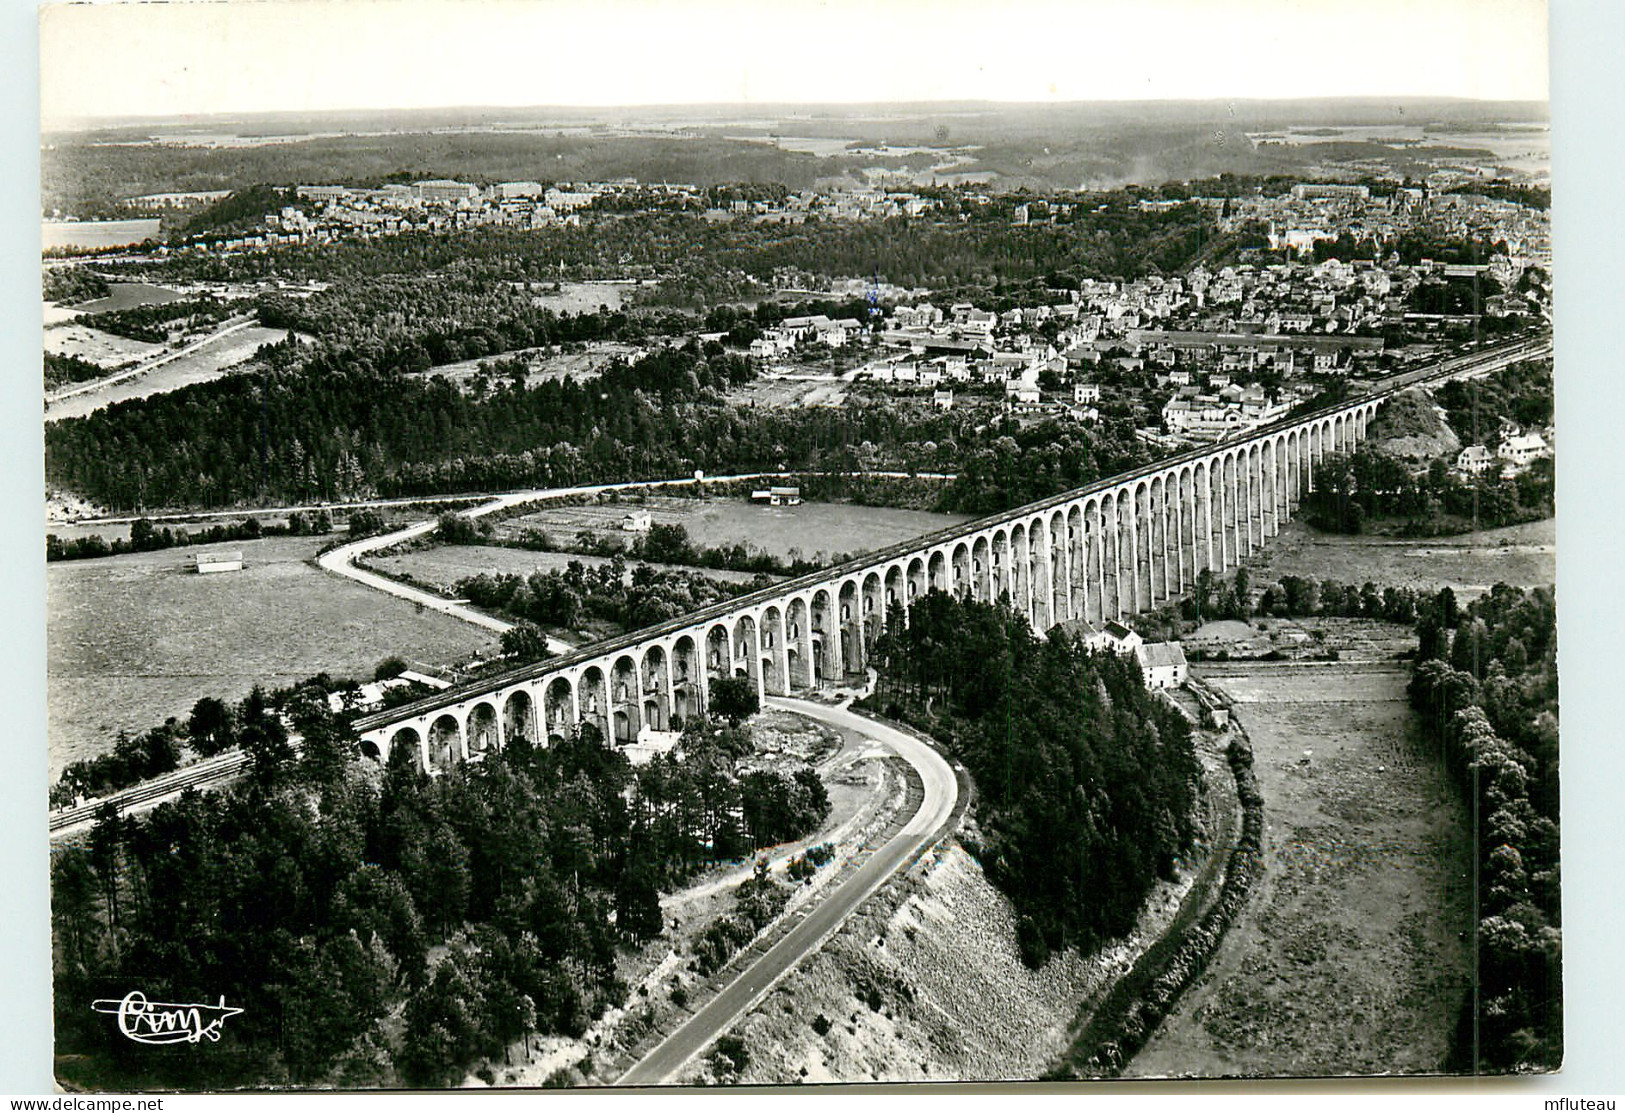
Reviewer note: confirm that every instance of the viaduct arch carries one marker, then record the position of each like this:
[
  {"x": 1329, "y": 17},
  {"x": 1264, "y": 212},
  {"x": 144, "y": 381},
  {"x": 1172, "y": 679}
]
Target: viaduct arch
[{"x": 1111, "y": 549}]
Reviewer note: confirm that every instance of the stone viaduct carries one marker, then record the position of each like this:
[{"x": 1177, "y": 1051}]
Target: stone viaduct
[{"x": 1111, "y": 549}]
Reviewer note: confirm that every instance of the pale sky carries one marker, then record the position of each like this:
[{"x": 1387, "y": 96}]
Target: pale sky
[{"x": 176, "y": 58}]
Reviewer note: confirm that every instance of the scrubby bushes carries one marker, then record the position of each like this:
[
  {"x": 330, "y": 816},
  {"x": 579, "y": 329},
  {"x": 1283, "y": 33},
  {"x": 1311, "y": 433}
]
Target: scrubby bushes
[
  {"x": 1140, "y": 1001},
  {"x": 757, "y": 902}
]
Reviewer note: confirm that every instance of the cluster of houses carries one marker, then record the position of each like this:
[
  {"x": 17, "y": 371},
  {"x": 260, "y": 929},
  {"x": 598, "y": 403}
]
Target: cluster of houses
[
  {"x": 864, "y": 203},
  {"x": 332, "y": 213},
  {"x": 1315, "y": 212},
  {"x": 1213, "y": 416},
  {"x": 1163, "y": 663},
  {"x": 782, "y": 339},
  {"x": 1158, "y": 328},
  {"x": 1512, "y": 456}
]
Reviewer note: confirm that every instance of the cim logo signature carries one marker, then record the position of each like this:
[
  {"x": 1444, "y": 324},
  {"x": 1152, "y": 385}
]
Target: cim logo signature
[{"x": 160, "y": 1022}]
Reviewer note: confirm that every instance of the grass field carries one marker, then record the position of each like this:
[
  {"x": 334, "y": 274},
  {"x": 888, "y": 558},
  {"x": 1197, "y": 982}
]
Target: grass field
[
  {"x": 209, "y": 362},
  {"x": 541, "y": 366},
  {"x": 584, "y": 297},
  {"x": 791, "y": 393},
  {"x": 1348, "y": 958},
  {"x": 101, "y": 348},
  {"x": 444, "y": 565},
  {"x": 809, "y": 529},
  {"x": 134, "y": 639},
  {"x": 1523, "y": 556},
  {"x": 128, "y": 295}
]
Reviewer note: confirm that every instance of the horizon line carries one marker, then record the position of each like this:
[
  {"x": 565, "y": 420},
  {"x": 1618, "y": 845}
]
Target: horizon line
[{"x": 87, "y": 123}]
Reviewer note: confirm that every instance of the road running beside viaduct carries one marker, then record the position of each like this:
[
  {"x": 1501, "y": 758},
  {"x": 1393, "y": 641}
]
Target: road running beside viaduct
[{"x": 753, "y": 981}]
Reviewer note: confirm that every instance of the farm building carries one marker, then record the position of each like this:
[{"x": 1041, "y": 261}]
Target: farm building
[
  {"x": 1163, "y": 663},
  {"x": 778, "y": 496},
  {"x": 216, "y": 562}
]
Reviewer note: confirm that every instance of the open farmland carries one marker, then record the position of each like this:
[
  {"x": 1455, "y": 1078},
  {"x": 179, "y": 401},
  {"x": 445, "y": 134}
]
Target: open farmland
[
  {"x": 209, "y": 361},
  {"x": 95, "y": 346},
  {"x": 813, "y": 528},
  {"x": 583, "y": 297},
  {"x": 543, "y": 364},
  {"x": 1349, "y": 957},
  {"x": 442, "y": 566},
  {"x": 135, "y": 639},
  {"x": 1470, "y": 564}
]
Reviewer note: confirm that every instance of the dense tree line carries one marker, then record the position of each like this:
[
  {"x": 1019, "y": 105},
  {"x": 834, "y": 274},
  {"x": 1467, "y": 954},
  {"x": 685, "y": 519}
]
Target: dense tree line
[
  {"x": 1485, "y": 683},
  {"x": 1519, "y": 193},
  {"x": 258, "y": 723},
  {"x": 70, "y": 285},
  {"x": 576, "y": 594},
  {"x": 134, "y": 758},
  {"x": 89, "y": 173},
  {"x": 1103, "y": 235},
  {"x": 1300, "y": 597},
  {"x": 1086, "y": 783},
  {"x": 1015, "y": 465},
  {"x": 239, "y": 211},
  {"x": 413, "y": 323},
  {"x": 351, "y": 432},
  {"x": 146, "y": 536},
  {"x": 60, "y": 370},
  {"x": 670, "y": 544},
  {"x": 331, "y": 900},
  {"x": 152, "y": 323},
  {"x": 1520, "y": 394},
  {"x": 1354, "y": 490}
]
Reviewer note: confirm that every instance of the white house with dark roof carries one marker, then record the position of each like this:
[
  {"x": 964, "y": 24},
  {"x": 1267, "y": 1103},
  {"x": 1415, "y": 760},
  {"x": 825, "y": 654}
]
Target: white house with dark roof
[{"x": 1163, "y": 664}]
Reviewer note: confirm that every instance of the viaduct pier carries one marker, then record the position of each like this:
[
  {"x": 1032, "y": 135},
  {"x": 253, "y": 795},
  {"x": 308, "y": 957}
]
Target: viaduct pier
[{"x": 1111, "y": 549}]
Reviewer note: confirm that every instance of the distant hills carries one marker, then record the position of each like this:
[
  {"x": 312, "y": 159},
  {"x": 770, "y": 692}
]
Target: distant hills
[{"x": 90, "y": 168}]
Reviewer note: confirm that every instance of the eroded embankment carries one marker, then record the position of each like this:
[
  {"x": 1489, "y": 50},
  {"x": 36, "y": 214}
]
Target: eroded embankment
[{"x": 925, "y": 982}]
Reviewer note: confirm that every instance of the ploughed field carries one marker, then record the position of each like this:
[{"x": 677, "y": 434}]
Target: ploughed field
[
  {"x": 1469, "y": 563},
  {"x": 1350, "y": 955},
  {"x": 134, "y": 639},
  {"x": 813, "y": 528}
]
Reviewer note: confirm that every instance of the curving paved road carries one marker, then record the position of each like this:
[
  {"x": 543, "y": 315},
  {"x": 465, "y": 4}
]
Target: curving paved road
[
  {"x": 341, "y": 561},
  {"x": 751, "y": 983}
]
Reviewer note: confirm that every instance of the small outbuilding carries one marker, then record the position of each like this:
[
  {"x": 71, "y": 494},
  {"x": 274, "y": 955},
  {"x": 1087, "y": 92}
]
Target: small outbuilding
[
  {"x": 778, "y": 496},
  {"x": 216, "y": 562}
]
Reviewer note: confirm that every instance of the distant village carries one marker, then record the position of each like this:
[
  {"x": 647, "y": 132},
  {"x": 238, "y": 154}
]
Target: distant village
[
  {"x": 1232, "y": 349},
  {"x": 1216, "y": 352}
]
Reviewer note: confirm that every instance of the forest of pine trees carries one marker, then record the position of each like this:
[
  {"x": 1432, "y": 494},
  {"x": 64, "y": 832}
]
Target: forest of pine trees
[
  {"x": 1086, "y": 783},
  {"x": 379, "y": 927}
]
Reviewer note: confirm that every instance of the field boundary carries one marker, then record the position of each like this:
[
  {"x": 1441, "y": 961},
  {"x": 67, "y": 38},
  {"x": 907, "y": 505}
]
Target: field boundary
[{"x": 1131, "y": 1010}]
